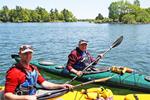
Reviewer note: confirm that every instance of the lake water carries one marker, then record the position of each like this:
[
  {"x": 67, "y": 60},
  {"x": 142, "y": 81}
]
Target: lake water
[{"x": 54, "y": 41}]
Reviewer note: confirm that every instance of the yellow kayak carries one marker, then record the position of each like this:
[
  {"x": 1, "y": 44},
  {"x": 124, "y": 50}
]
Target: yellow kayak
[
  {"x": 95, "y": 94},
  {"x": 99, "y": 94},
  {"x": 76, "y": 95},
  {"x": 137, "y": 97}
]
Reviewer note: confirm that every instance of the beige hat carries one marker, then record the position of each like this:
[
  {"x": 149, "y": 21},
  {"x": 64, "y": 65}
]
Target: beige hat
[
  {"x": 83, "y": 42},
  {"x": 25, "y": 48}
]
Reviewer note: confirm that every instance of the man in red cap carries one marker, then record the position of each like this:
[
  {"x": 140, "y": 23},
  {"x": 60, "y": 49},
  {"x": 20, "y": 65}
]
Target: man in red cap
[
  {"x": 21, "y": 78},
  {"x": 79, "y": 58}
]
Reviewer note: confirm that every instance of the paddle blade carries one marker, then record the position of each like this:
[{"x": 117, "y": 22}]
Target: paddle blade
[
  {"x": 102, "y": 79},
  {"x": 117, "y": 42},
  {"x": 14, "y": 56},
  {"x": 52, "y": 94}
]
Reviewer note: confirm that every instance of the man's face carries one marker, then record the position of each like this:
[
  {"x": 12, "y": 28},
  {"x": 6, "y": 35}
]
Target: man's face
[
  {"x": 83, "y": 47},
  {"x": 26, "y": 57}
]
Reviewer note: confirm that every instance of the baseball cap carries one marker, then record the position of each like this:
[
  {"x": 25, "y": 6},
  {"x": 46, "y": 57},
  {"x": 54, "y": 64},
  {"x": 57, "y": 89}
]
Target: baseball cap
[
  {"x": 83, "y": 42},
  {"x": 25, "y": 48}
]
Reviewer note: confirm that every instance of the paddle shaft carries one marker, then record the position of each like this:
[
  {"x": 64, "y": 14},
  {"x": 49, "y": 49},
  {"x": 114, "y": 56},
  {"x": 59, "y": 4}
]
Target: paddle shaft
[
  {"x": 93, "y": 81},
  {"x": 115, "y": 44}
]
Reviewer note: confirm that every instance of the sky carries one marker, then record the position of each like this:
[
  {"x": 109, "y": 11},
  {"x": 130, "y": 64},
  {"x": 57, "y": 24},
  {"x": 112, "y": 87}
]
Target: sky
[{"x": 81, "y": 9}]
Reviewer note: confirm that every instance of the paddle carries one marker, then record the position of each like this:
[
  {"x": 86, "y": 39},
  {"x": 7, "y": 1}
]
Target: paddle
[
  {"x": 59, "y": 92},
  {"x": 115, "y": 44},
  {"x": 16, "y": 57}
]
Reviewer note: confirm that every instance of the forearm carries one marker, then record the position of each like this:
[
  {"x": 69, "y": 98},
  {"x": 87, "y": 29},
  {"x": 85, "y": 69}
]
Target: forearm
[
  {"x": 49, "y": 85},
  {"x": 73, "y": 71}
]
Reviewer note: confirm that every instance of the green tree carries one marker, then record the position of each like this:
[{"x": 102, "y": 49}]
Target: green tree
[
  {"x": 20, "y": 14},
  {"x": 113, "y": 11},
  {"x": 133, "y": 9},
  {"x": 25, "y": 15},
  {"x": 15, "y": 15},
  {"x": 4, "y": 14},
  {"x": 99, "y": 17},
  {"x": 61, "y": 17},
  {"x": 129, "y": 19},
  {"x": 148, "y": 10},
  {"x": 137, "y": 3},
  {"x": 68, "y": 16},
  {"x": 118, "y": 9},
  {"x": 143, "y": 16},
  {"x": 43, "y": 14},
  {"x": 52, "y": 15},
  {"x": 56, "y": 14},
  {"x": 34, "y": 16}
]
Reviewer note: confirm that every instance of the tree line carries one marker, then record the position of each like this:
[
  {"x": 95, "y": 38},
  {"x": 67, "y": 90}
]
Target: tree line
[
  {"x": 40, "y": 14},
  {"x": 125, "y": 12},
  {"x": 119, "y": 12}
]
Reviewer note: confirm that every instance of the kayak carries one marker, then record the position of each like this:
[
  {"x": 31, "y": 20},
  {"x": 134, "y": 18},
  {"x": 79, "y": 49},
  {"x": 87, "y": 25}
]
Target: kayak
[
  {"x": 130, "y": 80},
  {"x": 92, "y": 94}
]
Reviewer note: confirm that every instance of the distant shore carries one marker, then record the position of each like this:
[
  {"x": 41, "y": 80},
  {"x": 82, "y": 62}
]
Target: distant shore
[{"x": 91, "y": 21}]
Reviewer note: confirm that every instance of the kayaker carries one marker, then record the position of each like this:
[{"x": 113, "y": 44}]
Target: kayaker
[
  {"x": 21, "y": 78},
  {"x": 79, "y": 58}
]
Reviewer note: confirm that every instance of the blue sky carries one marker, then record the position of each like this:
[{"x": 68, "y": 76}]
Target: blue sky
[{"x": 80, "y": 8}]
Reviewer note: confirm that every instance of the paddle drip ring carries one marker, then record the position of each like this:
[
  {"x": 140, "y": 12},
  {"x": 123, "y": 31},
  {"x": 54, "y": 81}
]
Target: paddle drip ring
[
  {"x": 46, "y": 63},
  {"x": 147, "y": 78}
]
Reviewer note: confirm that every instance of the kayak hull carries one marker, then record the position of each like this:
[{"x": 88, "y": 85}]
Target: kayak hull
[{"x": 132, "y": 81}]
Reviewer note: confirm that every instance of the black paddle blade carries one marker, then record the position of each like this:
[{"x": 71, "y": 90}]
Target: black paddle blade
[
  {"x": 14, "y": 56},
  {"x": 52, "y": 94},
  {"x": 117, "y": 42}
]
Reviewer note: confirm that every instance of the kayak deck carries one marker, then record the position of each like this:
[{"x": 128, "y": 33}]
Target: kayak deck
[{"x": 91, "y": 95}]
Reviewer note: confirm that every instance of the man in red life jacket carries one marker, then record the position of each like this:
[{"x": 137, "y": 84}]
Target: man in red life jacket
[
  {"x": 21, "y": 78},
  {"x": 80, "y": 58}
]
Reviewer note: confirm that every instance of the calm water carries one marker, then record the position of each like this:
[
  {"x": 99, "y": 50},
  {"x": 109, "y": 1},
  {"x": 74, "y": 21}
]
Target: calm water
[{"x": 54, "y": 41}]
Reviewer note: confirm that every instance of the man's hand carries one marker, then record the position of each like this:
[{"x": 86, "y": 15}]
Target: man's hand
[
  {"x": 67, "y": 86},
  {"x": 79, "y": 73},
  {"x": 101, "y": 55}
]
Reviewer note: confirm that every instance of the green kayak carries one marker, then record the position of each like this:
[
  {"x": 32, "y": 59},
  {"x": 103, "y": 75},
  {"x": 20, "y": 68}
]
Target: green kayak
[{"x": 130, "y": 80}]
